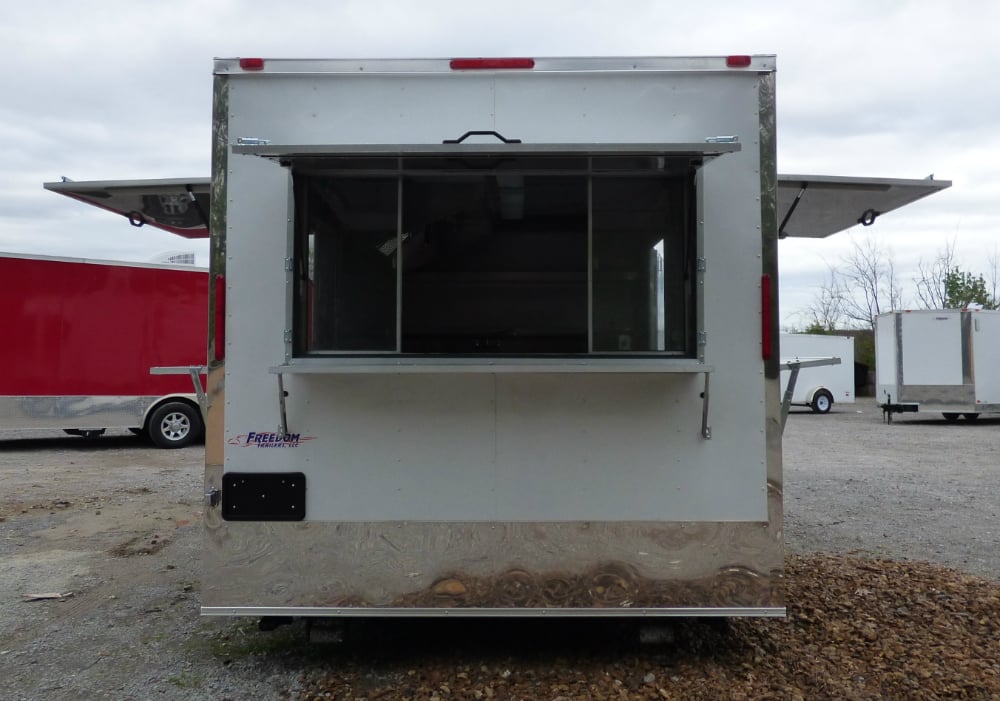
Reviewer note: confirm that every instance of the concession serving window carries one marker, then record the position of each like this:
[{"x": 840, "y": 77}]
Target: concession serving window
[{"x": 507, "y": 254}]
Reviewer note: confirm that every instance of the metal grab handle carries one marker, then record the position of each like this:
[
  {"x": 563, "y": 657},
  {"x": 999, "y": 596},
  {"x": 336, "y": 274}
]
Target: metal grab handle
[{"x": 467, "y": 134}]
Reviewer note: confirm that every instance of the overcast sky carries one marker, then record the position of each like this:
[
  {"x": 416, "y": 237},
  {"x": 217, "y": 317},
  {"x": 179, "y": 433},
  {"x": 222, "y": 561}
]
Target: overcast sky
[{"x": 121, "y": 90}]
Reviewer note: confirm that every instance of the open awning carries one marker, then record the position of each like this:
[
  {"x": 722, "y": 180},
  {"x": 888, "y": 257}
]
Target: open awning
[
  {"x": 179, "y": 205},
  {"x": 815, "y": 206},
  {"x": 811, "y": 206}
]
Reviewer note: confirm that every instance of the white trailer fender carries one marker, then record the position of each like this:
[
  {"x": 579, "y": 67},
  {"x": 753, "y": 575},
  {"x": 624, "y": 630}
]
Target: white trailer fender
[{"x": 811, "y": 393}]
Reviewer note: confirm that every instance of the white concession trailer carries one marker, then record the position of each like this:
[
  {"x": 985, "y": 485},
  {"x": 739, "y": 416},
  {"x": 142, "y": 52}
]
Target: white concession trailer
[
  {"x": 476, "y": 315},
  {"x": 497, "y": 337},
  {"x": 938, "y": 360}
]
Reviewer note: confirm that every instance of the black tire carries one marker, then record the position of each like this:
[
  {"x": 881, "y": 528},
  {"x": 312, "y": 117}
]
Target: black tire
[
  {"x": 822, "y": 402},
  {"x": 950, "y": 416},
  {"x": 971, "y": 417},
  {"x": 174, "y": 425}
]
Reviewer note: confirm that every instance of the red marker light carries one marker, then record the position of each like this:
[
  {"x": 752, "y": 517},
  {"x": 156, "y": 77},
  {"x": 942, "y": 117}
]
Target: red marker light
[
  {"x": 738, "y": 61},
  {"x": 220, "y": 317},
  {"x": 480, "y": 64},
  {"x": 252, "y": 64},
  {"x": 765, "y": 317}
]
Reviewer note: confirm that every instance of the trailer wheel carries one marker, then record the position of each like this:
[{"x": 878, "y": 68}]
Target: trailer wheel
[
  {"x": 822, "y": 401},
  {"x": 174, "y": 425},
  {"x": 949, "y": 416},
  {"x": 971, "y": 417}
]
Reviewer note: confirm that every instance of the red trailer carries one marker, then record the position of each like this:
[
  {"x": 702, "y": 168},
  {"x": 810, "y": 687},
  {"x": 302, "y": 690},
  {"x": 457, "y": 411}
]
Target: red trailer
[{"x": 92, "y": 345}]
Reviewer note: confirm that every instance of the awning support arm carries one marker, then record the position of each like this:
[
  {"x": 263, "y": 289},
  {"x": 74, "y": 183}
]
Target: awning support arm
[
  {"x": 706, "y": 430},
  {"x": 196, "y": 205},
  {"x": 788, "y": 214},
  {"x": 282, "y": 417}
]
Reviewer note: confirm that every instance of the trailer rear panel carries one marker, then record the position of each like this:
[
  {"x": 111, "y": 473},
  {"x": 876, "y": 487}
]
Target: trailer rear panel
[
  {"x": 940, "y": 360},
  {"x": 481, "y": 383}
]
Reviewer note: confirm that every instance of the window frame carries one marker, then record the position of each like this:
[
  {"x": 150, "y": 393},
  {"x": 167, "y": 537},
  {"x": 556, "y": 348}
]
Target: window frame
[{"x": 691, "y": 359}]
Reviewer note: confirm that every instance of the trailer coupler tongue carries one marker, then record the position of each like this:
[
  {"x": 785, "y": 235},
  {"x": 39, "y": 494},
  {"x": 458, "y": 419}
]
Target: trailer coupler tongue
[{"x": 888, "y": 409}]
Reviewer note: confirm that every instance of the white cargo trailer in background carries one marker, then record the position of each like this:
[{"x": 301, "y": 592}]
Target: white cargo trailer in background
[
  {"x": 938, "y": 360},
  {"x": 819, "y": 387},
  {"x": 493, "y": 337}
]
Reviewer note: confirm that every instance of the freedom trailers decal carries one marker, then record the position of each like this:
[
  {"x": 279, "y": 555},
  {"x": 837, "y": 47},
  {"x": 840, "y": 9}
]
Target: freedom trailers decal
[{"x": 269, "y": 439}]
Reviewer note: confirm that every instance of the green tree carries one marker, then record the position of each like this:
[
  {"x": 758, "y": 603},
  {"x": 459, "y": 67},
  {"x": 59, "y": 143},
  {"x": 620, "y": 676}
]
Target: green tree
[{"x": 963, "y": 288}]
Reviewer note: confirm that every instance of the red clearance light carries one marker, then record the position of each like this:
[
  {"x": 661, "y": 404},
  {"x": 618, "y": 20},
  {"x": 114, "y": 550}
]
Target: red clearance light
[
  {"x": 765, "y": 317},
  {"x": 479, "y": 64},
  {"x": 252, "y": 64},
  {"x": 738, "y": 61},
  {"x": 220, "y": 317}
]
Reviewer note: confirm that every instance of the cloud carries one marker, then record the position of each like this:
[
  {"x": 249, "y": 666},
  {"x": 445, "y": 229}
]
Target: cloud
[{"x": 123, "y": 91}]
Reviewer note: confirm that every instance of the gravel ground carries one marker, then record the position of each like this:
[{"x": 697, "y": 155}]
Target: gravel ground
[
  {"x": 917, "y": 489},
  {"x": 113, "y": 527}
]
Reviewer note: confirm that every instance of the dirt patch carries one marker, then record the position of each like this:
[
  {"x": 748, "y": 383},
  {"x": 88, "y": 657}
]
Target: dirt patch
[{"x": 147, "y": 544}]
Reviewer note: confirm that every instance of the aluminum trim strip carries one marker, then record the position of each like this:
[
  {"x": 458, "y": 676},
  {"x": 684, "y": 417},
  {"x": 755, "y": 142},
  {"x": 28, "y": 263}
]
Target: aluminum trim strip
[
  {"x": 315, "y": 612},
  {"x": 291, "y": 151},
  {"x": 230, "y": 66},
  {"x": 489, "y": 365},
  {"x": 105, "y": 261},
  {"x": 177, "y": 185},
  {"x": 968, "y": 362},
  {"x": 61, "y": 412}
]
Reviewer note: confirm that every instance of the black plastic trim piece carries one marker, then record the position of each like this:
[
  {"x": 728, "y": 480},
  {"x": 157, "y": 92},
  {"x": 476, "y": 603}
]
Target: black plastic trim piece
[{"x": 263, "y": 496}]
